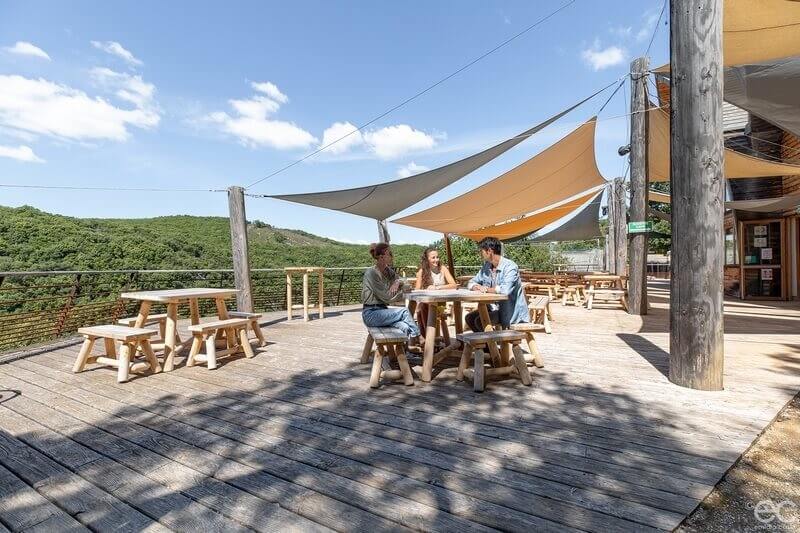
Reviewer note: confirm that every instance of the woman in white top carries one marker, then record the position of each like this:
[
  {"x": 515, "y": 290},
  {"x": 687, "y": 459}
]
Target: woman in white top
[{"x": 432, "y": 275}]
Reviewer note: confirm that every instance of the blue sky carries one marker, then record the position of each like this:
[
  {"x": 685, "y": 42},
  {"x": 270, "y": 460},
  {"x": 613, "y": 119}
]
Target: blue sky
[{"x": 207, "y": 95}]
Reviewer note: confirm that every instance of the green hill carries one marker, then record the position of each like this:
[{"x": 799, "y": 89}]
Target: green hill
[{"x": 31, "y": 239}]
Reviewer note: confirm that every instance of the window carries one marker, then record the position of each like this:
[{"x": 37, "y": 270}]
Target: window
[{"x": 731, "y": 255}]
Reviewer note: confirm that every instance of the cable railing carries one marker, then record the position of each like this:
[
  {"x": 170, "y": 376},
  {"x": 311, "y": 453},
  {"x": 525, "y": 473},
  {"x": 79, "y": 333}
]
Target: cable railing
[{"x": 41, "y": 307}]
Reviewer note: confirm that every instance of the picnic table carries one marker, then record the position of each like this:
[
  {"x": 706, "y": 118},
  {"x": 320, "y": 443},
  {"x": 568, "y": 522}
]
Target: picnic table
[
  {"x": 606, "y": 287},
  {"x": 172, "y": 298},
  {"x": 456, "y": 297}
]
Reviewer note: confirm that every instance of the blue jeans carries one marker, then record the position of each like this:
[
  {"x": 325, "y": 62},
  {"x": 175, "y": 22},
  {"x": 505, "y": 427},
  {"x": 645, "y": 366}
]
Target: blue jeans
[{"x": 390, "y": 317}]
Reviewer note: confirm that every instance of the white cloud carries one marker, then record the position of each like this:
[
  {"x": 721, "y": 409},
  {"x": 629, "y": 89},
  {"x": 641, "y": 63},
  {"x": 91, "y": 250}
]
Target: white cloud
[
  {"x": 20, "y": 153},
  {"x": 271, "y": 90},
  {"x": 622, "y": 32},
  {"x": 116, "y": 49},
  {"x": 253, "y": 126},
  {"x": 130, "y": 88},
  {"x": 394, "y": 141},
  {"x": 27, "y": 49},
  {"x": 43, "y": 107},
  {"x": 649, "y": 20},
  {"x": 600, "y": 58},
  {"x": 411, "y": 169},
  {"x": 338, "y": 130}
]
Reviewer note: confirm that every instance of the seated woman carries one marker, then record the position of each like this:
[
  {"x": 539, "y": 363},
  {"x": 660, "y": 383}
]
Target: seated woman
[
  {"x": 432, "y": 275},
  {"x": 381, "y": 288}
]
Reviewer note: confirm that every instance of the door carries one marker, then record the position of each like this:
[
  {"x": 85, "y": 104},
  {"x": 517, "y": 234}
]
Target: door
[{"x": 762, "y": 258}]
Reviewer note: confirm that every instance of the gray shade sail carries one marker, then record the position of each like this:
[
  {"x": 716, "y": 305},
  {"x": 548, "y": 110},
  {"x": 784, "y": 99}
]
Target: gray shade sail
[
  {"x": 383, "y": 200},
  {"x": 584, "y": 225},
  {"x": 767, "y": 205},
  {"x": 768, "y": 90}
]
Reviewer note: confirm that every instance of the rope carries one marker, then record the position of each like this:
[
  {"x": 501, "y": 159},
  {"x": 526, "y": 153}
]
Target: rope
[{"x": 121, "y": 189}]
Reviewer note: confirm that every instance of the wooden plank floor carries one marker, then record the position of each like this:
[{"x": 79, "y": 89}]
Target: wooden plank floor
[{"x": 295, "y": 440}]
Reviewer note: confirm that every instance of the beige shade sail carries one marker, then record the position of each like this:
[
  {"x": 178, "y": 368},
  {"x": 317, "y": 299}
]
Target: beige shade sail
[
  {"x": 737, "y": 165},
  {"x": 533, "y": 222},
  {"x": 561, "y": 171},
  {"x": 756, "y": 31},
  {"x": 655, "y": 196},
  {"x": 763, "y": 205}
]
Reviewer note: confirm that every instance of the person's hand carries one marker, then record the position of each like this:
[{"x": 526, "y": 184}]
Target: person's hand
[
  {"x": 395, "y": 287},
  {"x": 431, "y": 288},
  {"x": 477, "y": 288}
]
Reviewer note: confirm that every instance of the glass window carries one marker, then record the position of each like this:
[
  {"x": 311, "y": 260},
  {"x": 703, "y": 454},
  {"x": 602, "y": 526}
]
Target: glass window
[
  {"x": 730, "y": 248},
  {"x": 762, "y": 244}
]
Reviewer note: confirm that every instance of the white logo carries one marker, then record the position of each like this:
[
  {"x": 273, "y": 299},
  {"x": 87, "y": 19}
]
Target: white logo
[{"x": 766, "y": 511}]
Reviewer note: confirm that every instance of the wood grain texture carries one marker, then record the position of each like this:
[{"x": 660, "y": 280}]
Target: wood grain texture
[
  {"x": 640, "y": 184},
  {"x": 239, "y": 249},
  {"x": 697, "y": 186}
]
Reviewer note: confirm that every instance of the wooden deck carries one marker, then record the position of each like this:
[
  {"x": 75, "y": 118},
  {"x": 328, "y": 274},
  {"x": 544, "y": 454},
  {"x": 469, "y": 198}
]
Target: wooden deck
[{"x": 295, "y": 440}]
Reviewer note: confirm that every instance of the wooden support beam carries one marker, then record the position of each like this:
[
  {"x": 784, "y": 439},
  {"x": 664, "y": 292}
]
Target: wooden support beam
[
  {"x": 638, "y": 242},
  {"x": 696, "y": 178},
  {"x": 611, "y": 235},
  {"x": 239, "y": 249},
  {"x": 620, "y": 228},
  {"x": 383, "y": 231},
  {"x": 448, "y": 248}
]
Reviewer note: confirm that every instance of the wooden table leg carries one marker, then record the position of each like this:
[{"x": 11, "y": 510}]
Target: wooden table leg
[
  {"x": 141, "y": 318},
  {"x": 222, "y": 309},
  {"x": 194, "y": 311},
  {"x": 169, "y": 341},
  {"x": 458, "y": 317},
  {"x": 430, "y": 342},
  {"x": 486, "y": 322}
]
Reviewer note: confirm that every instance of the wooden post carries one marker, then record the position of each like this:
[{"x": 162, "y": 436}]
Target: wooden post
[
  {"x": 697, "y": 187},
  {"x": 449, "y": 251},
  {"x": 620, "y": 228},
  {"x": 611, "y": 232},
  {"x": 383, "y": 231},
  {"x": 638, "y": 242},
  {"x": 239, "y": 251}
]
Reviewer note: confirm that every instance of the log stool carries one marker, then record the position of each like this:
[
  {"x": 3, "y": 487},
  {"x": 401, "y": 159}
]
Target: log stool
[
  {"x": 390, "y": 342},
  {"x": 539, "y": 309},
  {"x": 474, "y": 344},
  {"x": 131, "y": 338},
  {"x": 528, "y": 328},
  {"x": 254, "y": 325},
  {"x": 234, "y": 328},
  {"x": 152, "y": 320}
]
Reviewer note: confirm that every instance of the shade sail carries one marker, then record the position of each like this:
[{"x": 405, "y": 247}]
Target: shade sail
[
  {"x": 561, "y": 171},
  {"x": 383, "y": 200},
  {"x": 533, "y": 222},
  {"x": 655, "y": 196},
  {"x": 768, "y": 90},
  {"x": 737, "y": 165},
  {"x": 758, "y": 31},
  {"x": 584, "y": 225},
  {"x": 767, "y": 205}
]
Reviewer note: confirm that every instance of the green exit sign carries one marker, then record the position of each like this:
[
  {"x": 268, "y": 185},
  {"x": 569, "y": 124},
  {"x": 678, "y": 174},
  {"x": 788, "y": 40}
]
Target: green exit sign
[{"x": 640, "y": 227}]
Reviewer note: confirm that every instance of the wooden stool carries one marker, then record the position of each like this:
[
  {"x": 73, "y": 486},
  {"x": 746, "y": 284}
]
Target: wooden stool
[
  {"x": 305, "y": 271},
  {"x": 234, "y": 328},
  {"x": 152, "y": 320},
  {"x": 539, "y": 310},
  {"x": 528, "y": 328},
  {"x": 390, "y": 342},
  {"x": 571, "y": 294},
  {"x": 474, "y": 344},
  {"x": 131, "y": 339},
  {"x": 254, "y": 325}
]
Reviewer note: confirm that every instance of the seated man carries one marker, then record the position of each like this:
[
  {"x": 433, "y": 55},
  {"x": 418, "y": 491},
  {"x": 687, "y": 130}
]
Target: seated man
[{"x": 498, "y": 275}]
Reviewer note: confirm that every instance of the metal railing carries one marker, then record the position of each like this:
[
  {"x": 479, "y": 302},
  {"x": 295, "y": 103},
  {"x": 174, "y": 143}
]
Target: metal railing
[{"x": 40, "y": 307}]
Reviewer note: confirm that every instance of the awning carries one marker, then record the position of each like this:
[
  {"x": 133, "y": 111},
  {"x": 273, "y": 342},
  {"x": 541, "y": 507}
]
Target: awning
[
  {"x": 561, "y": 171},
  {"x": 583, "y": 226},
  {"x": 758, "y": 31},
  {"x": 656, "y": 196},
  {"x": 534, "y": 221},
  {"x": 383, "y": 200},
  {"x": 767, "y": 205},
  {"x": 737, "y": 165}
]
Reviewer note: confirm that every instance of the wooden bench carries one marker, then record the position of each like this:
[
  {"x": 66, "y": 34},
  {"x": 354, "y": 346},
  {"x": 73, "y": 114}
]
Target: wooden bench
[
  {"x": 235, "y": 334},
  {"x": 152, "y": 320},
  {"x": 607, "y": 295},
  {"x": 390, "y": 342},
  {"x": 528, "y": 328},
  {"x": 474, "y": 344},
  {"x": 131, "y": 338},
  {"x": 539, "y": 310},
  {"x": 254, "y": 325}
]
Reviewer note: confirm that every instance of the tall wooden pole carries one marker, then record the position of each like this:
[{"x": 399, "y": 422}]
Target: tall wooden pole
[
  {"x": 697, "y": 187},
  {"x": 450, "y": 263},
  {"x": 638, "y": 242},
  {"x": 239, "y": 250},
  {"x": 611, "y": 233},
  {"x": 383, "y": 231},
  {"x": 621, "y": 228}
]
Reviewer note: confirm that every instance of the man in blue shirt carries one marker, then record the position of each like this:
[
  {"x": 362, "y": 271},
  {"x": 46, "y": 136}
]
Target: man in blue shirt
[{"x": 498, "y": 275}]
